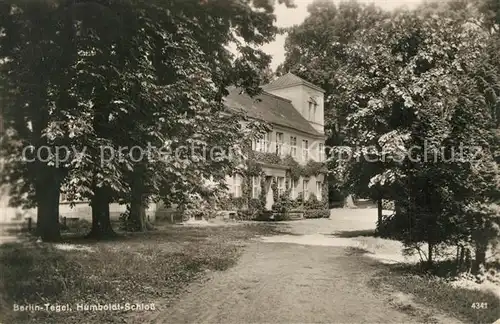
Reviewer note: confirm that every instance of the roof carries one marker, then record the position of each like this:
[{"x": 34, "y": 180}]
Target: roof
[
  {"x": 289, "y": 80},
  {"x": 270, "y": 108}
]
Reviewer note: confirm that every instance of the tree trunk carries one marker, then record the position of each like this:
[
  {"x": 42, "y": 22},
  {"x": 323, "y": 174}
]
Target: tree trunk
[
  {"x": 47, "y": 193},
  {"x": 397, "y": 208},
  {"x": 137, "y": 217},
  {"x": 349, "y": 202},
  {"x": 101, "y": 222},
  {"x": 379, "y": 212},
  {"x": 480, "y": 256},
  {"x": 458, "y": 260},
  {"x": 461, "y": 260},
  {"x": 430, "y": 255}
]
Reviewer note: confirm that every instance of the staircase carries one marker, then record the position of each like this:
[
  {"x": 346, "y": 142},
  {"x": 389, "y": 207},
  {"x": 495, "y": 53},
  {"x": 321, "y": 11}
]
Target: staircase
[{"x": 296, "y": 216}]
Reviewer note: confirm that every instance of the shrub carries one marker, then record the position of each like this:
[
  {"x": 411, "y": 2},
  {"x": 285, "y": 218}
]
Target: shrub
[
  {"x": 297, "y": 202},
  {"x": 197, "y": 206},
  {"x": 313, "y": 203},
  {"x": 316, "y": 213},
  {"x": 246, "y": 214},
  {"x": 389, "y": 227},
  {"x": 281, "y": 216},
  {"x": 282, "y": 204},
  {"x": 228, "y": 202},
  {"x": 238, "y": 203},
  {"x": 255, "y": 204},
  {"x": 264, "y": 215}
]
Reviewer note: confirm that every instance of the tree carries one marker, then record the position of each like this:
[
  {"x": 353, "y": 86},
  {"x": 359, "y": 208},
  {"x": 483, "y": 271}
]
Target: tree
[
  {"x": 415, "y": 92},
  {"x": 37, "y": 50},
  {"x": 171, "y": 83},
  {"x": 315, "y": 51},
  {"x": 399, "y": 82}
]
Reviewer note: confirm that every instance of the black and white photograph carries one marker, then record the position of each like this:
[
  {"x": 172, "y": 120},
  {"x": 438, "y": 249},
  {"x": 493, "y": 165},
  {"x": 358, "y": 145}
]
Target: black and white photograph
[{"x": 249, "y": 161}]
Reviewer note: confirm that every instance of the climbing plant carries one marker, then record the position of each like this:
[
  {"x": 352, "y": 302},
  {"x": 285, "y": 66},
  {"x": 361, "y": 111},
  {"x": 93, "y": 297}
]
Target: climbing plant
[{"x": 283, "y": 204}]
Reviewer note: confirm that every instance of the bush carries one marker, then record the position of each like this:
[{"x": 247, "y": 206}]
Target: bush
[
  {"x": 281, "y": 216},
  {"x": 255, "y": 204},
  {"x": 246, "y": 214},
  {"x": 231, "y": 203},
  {"x": 316, "y": 213},
  {"x": 238, "y": 203},
  {"x": 298, "y": 201},
  {"x": 264, "y": 215},
  {"x": 389, "y": 227},
  {"x": 282, "y": 205},
  {"x": 198, "y": 207},
  {"x": 313, "y": 203}
]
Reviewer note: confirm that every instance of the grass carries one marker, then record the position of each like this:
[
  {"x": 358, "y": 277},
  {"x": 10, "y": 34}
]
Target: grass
[
  {"x": 436, "y": 293},
  {"x": 138, "y": 268}
]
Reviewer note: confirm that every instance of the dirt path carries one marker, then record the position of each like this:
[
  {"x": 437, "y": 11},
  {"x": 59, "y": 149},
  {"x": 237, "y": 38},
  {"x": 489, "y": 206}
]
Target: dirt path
[{"x": 286, "y": 283}]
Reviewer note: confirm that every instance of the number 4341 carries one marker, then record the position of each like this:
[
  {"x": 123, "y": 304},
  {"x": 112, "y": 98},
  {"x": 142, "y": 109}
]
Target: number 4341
[{"x": 479, "y": 305}]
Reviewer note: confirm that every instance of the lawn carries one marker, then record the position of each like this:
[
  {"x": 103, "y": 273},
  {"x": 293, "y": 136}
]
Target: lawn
[
  {"x": 139, "y": 268},
  {"x": 470, "y": 306}
]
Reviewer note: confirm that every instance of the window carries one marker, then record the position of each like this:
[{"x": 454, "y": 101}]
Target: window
[
  {"x": 293, "y": 190},
  {"x": 237, "y": 186},
  {"x": 263, "y": 144},
  {"x": 318, "y": 190},
  {"x": 293, "y": 146},
  {"x": 305, "y": 150},
  {"x": 315, "y": 111},
  {"x": 267, "y": 143},
  {"x": 281, "y": 185},
  {"x": 255, "y": 187},
  {"x": 258, "y": 145},
  {"x": 321, "y": 152},
  {"x": 279, "y": 144},
  {"x": 310, "y": 112},
  {"x": 305, "y": 189}
]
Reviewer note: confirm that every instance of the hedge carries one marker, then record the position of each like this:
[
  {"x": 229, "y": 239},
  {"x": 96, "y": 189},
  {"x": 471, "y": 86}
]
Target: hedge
[{"x": 316, "y": 213}]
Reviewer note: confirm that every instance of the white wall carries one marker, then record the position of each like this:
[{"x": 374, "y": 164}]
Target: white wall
[
  {"x": 314, "y": 144},
  {"x": 300, "y": 96},
  {"x": 80, "y": 210}
]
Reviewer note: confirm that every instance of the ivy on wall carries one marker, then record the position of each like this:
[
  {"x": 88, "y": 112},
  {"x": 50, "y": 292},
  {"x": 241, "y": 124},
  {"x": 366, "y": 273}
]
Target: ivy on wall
[
  {"x": 282, "y": 203},
  {"x": 312, "y": 168}
]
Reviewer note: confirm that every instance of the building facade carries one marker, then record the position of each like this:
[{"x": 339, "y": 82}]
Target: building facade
[
  {"x": 289, "y": 160},
  {"x": 286, "y": 163}
]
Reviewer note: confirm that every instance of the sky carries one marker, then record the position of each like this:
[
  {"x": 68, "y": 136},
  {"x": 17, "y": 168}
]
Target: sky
[{"x": 288, "y": 17}]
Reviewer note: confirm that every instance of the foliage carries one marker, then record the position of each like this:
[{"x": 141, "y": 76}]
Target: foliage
[
  {"x": 401, "y": 86},
  {"x": 315, "y": 50},
  {"x": 114, "y": 74},
  {"x": 283, "y": 203},
  {"x": 316, "y": 213},
  {"x": 265, "y": 157},
  {"x": 299, "y": 200},
  {"x": 255, "y": 204},
  {"x": 197, "y": 207},
  {"x": 313, "y": 202}
]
